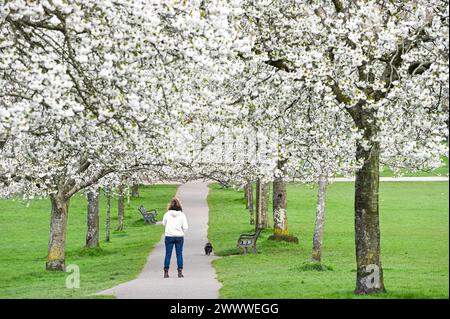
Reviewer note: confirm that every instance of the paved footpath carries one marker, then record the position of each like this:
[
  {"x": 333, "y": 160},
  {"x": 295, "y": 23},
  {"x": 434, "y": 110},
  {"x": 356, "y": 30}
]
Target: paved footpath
[{"x": 199, "y": 280}]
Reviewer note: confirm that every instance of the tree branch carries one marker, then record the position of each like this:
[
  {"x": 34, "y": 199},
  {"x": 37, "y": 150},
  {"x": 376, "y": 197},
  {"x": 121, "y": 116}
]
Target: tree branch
[{"x": 338, "y": 5}]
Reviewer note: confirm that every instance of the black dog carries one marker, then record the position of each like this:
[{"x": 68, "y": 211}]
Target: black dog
[{"x": 208, "y": 249}]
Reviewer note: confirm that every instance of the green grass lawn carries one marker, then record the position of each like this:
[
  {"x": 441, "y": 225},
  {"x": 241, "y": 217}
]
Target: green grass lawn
[
  {"x": 414, "y": 233},
  {"x": 23, "y": 249},
  {"x": 441, "y": 171}
]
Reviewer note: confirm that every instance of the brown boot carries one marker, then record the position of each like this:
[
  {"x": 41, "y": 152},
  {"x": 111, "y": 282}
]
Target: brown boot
[
  {"x": 180, "y": 273},
  {"x": 166, "y": 273}
]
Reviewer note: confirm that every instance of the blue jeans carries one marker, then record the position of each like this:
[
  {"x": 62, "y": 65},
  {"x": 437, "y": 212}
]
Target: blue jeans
[{"x": 170, "y": 242}]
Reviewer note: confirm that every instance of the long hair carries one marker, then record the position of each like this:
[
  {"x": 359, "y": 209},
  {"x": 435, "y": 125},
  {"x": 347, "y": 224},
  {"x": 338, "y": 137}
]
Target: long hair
[{"x": 174, "y": 204}]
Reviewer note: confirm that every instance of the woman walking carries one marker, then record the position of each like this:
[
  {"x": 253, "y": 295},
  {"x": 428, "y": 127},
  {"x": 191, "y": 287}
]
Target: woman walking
[{"x": 176, "y": 224}]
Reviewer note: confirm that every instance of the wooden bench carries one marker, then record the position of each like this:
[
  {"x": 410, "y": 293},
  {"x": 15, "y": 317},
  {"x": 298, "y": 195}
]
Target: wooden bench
[
  {"x": 149, "y": 217},
  {"x": 247, "y": 241}
]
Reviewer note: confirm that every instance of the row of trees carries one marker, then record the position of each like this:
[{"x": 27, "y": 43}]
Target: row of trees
[{"x": 93, "y": 93}]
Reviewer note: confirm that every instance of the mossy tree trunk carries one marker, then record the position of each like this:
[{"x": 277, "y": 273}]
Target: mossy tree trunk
[
  {"x": 280, "y": 226},
  {"x": 60, "y": 200},
  {"x": 108, "y": 214},
  {"x": 121, "y": 208},
  {"x": 58, "y": 229},
  {"x": 369, "y": 278},
  {"x": 320, "y": 221},
  {"x": 92, "y": 233}
]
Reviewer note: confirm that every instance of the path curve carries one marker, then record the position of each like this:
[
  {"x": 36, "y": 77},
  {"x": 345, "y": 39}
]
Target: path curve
[{"x": 199, "y": 280}]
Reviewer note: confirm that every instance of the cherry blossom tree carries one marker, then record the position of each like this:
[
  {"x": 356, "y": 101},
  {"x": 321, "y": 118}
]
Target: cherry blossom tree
[
  {"x": 383, "y": 66},
  {"x": 90, "y": 89}
]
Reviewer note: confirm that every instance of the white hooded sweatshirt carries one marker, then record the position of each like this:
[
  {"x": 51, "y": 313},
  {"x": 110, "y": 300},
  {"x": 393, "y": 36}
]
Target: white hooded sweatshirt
[{"x": 175, "y": 222}]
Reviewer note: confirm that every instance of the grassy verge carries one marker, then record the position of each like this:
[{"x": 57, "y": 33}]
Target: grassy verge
[
  {"x": 415, "y": 244},
  {"x": 25, "y": 232},
  {"x": 441, "y": 171}
]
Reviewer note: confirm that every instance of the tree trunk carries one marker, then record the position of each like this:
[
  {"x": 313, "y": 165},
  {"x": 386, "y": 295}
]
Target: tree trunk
[
  {"x": 258, "y": 203},
  {"x": 369, "y": 277},
  {"x": 135, "y": 191},
  {"x": 92, "y": 234},
  {"x": 264, "y": 205},
  {"x": 279, "y": 207},
  {"x": 58, "y": 227},
  {"x": 249, "y": 188},
  {"x": 121, "y": 209},
  {"x": 108, "y": 214},
  {"x": 246, "y": 195},
  {"x": 320, "y": 221}
]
